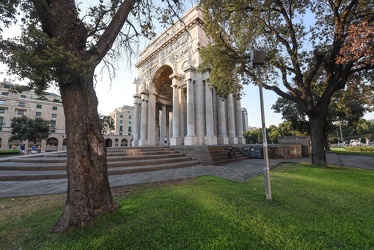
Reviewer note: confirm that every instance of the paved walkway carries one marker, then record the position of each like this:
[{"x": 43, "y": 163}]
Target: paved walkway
[{"x": 237, "y": 171}]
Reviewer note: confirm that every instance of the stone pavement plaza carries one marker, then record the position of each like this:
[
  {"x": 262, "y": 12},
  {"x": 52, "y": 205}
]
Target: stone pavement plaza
[{"x": 237, "y": 171}]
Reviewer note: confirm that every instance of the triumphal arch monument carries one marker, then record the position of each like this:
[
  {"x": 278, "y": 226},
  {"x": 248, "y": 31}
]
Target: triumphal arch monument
[{"x": 174, "y": 104}]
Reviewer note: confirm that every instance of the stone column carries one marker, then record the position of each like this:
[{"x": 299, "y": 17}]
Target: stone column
[
  {"x": 210, "y": 138},
  {"x": 191, "y": 138},
  {"x": 222, "y": 122},
  {"x": 200, "y": 109},
  {"x": 176, "y": 139},
  {"x": 60, "y": 142},
  {"x": 151, "y": 126},
  {"x": 231, "y": 120},
  {"x": 163, "y": 125},
  {"x": 137, "y": 104},
  {"x": 143, "y": 121},
  {"x": 239, "y": 121}
]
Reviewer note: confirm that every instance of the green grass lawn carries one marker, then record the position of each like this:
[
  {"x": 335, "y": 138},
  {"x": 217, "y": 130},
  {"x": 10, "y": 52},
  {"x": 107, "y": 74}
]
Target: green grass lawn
[{"x": 312, "y": 208}]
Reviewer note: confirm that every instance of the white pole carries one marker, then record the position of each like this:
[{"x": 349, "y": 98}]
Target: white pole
[{"x": 265, "y": 144}]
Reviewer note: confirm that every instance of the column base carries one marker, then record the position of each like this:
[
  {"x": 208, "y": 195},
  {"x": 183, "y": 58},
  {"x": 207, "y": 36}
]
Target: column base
[
  {"x": 233, "y": 140},
  {"x": 190, "y": 140},
  {"x": 221, "y": 140},
  {"x": 143, "y": 143},
  {"x": 175, "y": 141},
  {"x": 241, "y": 140},
  {"x": 210, "y": 140}
]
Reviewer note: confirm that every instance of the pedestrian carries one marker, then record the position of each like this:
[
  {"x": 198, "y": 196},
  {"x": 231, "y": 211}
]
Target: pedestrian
[
  {"x": 22, "y": 149},
  {"x": 33, "y": 149},
  {"x": 165, "y": 141}
]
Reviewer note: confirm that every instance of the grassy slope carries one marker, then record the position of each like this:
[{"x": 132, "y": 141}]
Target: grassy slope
[{"x": 312, "y": 208}]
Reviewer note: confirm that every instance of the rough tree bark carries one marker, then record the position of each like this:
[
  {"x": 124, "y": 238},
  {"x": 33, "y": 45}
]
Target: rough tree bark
[
  {"x": 89, "y": 194},
  {"x": 316, "y": 122}
]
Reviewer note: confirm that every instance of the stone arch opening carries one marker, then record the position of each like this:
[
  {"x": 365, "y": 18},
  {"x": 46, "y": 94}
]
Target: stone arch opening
[
  {"x": 52, "y": 144},
  {"x": 164, "y": 104},
  {"x": 124, "y": 143},
  {"x": 108, "y": 143}
]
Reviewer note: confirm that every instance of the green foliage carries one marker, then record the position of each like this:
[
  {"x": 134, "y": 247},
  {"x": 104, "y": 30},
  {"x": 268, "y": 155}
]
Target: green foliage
[
  {"x": 24, "y": 128},
  {"x": 312, "y": 208},
  {"x": 9, "y": 152},
  {"x": 360, "y": 149},
  {"x": 106, "y": 123}
]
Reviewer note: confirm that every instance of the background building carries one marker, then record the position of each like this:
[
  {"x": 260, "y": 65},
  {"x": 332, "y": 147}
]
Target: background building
[
  {"x": 122, "y": 135},
  {"x": 29, "y": 104}
]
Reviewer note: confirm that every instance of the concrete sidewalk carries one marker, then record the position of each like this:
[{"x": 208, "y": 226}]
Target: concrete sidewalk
[{"x": 237, "y": 171}]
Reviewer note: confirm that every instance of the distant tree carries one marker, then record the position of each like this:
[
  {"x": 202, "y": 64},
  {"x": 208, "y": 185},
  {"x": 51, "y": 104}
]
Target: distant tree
[
  {"x": 253, "y": 136},
  {"x": 347, "y": 107},
  {"x": 301, "y": 56},
  {"x": 106, "y": 124},
  {"x": 24, "y": 128},
  {"x": 273, "y": 134}
]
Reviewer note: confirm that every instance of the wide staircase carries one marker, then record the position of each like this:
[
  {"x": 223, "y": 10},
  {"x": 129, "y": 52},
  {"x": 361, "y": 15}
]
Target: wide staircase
[{"x": 120, "y": 161}]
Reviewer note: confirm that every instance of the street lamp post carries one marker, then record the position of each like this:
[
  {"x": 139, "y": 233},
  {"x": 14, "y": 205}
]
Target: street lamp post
[{"x": 258, "y": 60}]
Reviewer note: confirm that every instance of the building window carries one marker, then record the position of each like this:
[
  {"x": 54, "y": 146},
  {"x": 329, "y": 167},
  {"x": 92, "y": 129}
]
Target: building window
[
  {"x": 116, "y": 140},
  {"x": 1, "y": 121},
  {"x": 129, "y": 122},
  {"x": 120, "y": 128},
  {"x": 20, "y": 112},
  {"x": 129, "y": 129},
  {"x": 54, "y": 108},
  {"x": 38, "y": 114},
  {"x": 129, "y": 116},
  {"x": 7, "y": 86},
  {"x": 38, "y": 106},
  {"x": 2, "y": 111},
  {"x": 120, "y": 121},
  {"x": 23, "y": 96},
  {"x": 128, "y": 112},
  {"x": 120, "y": 116},
  {"x": 4, "y": 93},
  {"x": 53, "y": 131},
  {"x": 53, "y": 124},
  {"x": 2, "y": 102},
  {"x": 54, "y": 115},
  {"x": 21, "y": 104}
]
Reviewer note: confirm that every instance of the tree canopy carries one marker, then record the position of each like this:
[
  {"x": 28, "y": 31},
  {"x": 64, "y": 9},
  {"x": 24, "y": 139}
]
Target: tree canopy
[
  {"x": 306, "y": 46},
  {"x": 25, "y": 128}
]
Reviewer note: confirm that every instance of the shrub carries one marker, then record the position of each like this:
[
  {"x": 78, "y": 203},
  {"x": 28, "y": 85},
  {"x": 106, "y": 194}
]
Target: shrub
[
  {"x": 9, "y": 152},
  {"x": 361, "y": 149}
]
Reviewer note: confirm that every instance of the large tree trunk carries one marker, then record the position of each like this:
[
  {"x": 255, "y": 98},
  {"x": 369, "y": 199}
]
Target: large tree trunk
[
  {"x": 88, "y": 194},
  {"x": 317, "y": 135}
]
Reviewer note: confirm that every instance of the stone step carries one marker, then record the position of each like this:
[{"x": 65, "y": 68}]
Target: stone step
[
  {"x": 44, "y": 175},
  {"x": 120, "y": 161}
]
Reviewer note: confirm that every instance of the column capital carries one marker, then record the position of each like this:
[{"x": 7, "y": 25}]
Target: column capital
[
  {"x": 175, "y": 76},
  {"x": 206, "y": 76},
  {"x": 144, "y": 97}
]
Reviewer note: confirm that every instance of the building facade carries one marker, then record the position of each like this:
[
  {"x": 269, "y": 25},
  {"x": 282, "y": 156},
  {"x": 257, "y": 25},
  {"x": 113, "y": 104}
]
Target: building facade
[
  {"x": 122, "y": 135},
  {"x": 29, "y": 104},
  {"x": 174, "y": 103}
]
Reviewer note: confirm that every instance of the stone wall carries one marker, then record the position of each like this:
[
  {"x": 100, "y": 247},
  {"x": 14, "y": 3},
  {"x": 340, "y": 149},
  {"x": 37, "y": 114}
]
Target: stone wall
[{"x": 304, "y": 141}]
